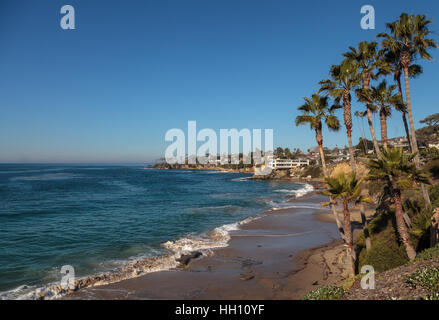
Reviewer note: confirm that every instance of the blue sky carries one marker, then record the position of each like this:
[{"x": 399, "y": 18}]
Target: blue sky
[{"x": 110, "y": 89}]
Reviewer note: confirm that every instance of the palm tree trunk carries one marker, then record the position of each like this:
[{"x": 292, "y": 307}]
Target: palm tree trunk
[
  {"x": 383, "y": 122},
  {"x": 348, "y": 123},
  {"x": 349, "y": 240},
  {"x": 372, "y": 133},
  {"x": 351, "y": 149},
  {"x": 414, "y": 141},
  {"x": 400, "y": 224},
  {"x": 403, "y": 114},
  {"x": 365, "y": 224},
  {"x": 406, "y": 127},
  {"x": 319, "y": 139}
]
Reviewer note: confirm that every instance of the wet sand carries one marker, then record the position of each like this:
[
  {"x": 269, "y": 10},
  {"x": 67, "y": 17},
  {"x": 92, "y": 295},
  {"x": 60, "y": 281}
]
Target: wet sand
[{"x": 282, "y": 255}]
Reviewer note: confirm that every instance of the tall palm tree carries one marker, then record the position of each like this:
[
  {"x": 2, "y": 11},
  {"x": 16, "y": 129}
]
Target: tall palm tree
[
  {"x": 398, "y": 172},
  {"x": 384, "y": 97},
  {"x": 409, "y": 37},
  {"x": 315, "y": 110},
  {"x": 366, "y": 97},
  {"x": 361, "y": 115},
  {"x": 343, "y": 79},
  {"x": 346, "y": 188},
  {"x": 392, "y": 56},
  {"x": 369, "y": 62}
]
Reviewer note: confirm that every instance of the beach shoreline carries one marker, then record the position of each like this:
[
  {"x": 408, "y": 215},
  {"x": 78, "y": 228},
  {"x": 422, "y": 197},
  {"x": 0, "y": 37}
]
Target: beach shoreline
[{"x": 281, "y": 255}]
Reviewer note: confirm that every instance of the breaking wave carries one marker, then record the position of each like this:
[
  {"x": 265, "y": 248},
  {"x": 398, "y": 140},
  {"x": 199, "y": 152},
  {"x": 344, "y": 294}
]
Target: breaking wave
[
  {"x": 204, "y": 243},
  {"x": 307, "y": 188}
]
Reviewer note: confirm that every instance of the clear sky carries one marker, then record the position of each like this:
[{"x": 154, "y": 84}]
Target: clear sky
[{"x": 110, "y": 89}]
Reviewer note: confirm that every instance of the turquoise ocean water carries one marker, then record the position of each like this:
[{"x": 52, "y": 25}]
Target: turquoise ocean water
[{"x": 95, "y": 218}]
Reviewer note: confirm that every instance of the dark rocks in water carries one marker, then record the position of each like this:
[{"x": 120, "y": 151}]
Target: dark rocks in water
[
  {"x": 187, "y": 258},
  {"x": 275, "y": 174}
]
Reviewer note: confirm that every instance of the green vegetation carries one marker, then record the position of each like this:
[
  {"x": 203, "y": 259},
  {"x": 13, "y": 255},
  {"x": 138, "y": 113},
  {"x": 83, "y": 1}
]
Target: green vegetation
[
  {"x": 364, "y": 146},
  {"x": 398, "y": 179},
  {"x": 347, "y": 189},
  {"x": 314, "y": 171},
  {"x": 433, "y": 166},
  {"x": 427, "y": 278},
  {"x": 385, "y": 253},
  {"x": 325, "y": 293},
  {"x": 432, "y": 120},
  {"x": 428, "y": 254},
  {"x": 398, "y": 172}
]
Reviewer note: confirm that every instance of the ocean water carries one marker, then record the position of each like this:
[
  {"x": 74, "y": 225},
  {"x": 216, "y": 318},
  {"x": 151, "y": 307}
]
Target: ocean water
[{"x": 96, "y": 218}]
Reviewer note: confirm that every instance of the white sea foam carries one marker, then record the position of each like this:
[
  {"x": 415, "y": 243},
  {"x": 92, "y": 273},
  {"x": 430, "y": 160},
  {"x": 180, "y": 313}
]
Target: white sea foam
[
  {"x": 241, "y": 179},
  {"x": 217, "y": 238},
  {"x": 296, "y": 207},
  {"x": 204, "y": 243},
  {"x": 307, "y": 188}
]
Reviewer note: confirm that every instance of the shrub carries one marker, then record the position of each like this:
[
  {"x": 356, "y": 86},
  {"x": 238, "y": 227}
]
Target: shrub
[
  {"x": 385, "y": 252},
  {"x": 428, "y": 254},
  {"x": 434, "y": 195},
  {"x": 325, "y": 293},
  {"x": 427, "y": 278},
  {"x": 346, "y": 169},
  {"x": 313, "y": 171}
]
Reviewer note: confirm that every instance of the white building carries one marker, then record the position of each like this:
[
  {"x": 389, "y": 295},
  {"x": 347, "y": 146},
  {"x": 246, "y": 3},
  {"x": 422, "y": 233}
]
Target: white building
[
  {"x": 433, "y": 145},
  {"x": 288, "y": 163}
]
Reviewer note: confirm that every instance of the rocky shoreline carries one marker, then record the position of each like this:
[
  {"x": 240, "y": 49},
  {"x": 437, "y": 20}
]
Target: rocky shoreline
[
  {"x": 166, "y": 166},
  {"x": 285, "y": 175}
]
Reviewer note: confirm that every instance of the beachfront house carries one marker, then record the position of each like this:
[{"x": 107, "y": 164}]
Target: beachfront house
[
  {"x": 399, "y": 142},
  {"x": 288, "y": 163}
]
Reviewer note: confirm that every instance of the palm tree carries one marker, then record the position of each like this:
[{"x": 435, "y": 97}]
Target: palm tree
[
  {"x": 409, "y": 37},
  {"x": 369, "y": 62},
  {"x": 366, "y": 97},
  {"x": 385, "y": 98},
  {"x": 347, "y": 188},
  {"x": 361, "y": 115},
  {"x": 314, "y": 110},
  {"x": 392, "y": 57},
  {"x": 398, "y": 172},
  {"x": 344, "y": 78}
]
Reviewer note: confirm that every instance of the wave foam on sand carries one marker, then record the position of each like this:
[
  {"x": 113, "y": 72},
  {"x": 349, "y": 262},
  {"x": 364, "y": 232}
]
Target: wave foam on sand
[{"x": 217, "y": 238}]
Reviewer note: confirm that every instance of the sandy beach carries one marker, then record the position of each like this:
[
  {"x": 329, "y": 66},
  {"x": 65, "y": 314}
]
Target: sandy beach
[{"x": 282, "y": 255}]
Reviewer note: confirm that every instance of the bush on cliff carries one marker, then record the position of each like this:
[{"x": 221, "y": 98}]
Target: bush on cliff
[
  {"x": 325, "y": 293},
  {"x": 428, "y": 254},
  {"x": 386, "y": 251},
  {"x": 427, "y": 278}
]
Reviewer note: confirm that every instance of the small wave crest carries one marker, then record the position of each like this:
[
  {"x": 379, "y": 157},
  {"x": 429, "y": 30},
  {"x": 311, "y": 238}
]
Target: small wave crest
[
  {"x": 217, "y": 238},
  {"x": 241, "y": 179},
  {"x": 307, "y": 188}
]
